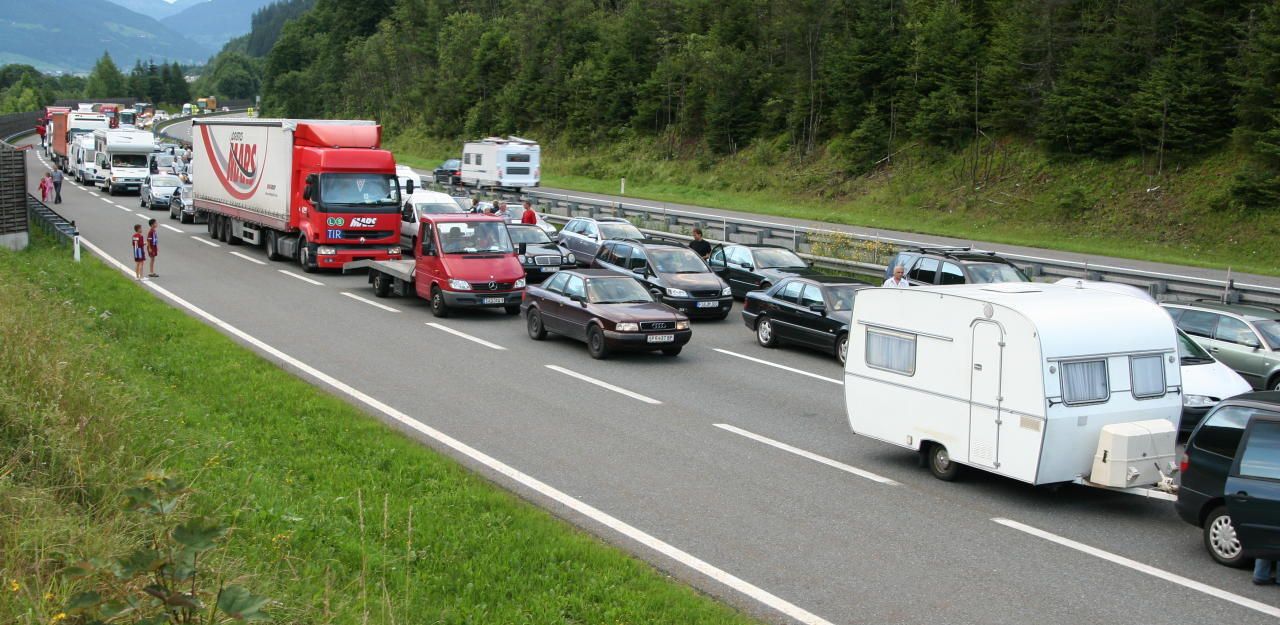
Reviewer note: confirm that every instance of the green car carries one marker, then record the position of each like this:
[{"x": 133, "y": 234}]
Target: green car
[{"x": 1244, "y": 337}]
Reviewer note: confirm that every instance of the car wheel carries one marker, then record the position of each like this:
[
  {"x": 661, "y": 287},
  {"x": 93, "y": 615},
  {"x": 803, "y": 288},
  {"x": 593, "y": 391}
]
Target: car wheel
[
  {"x": 111, "y": 190},
  {"x": 438, "y": 306},
  {"x": 765, "y": 286},
  {"x": 672, "y": 351},
  {"x": 842, "y": 348},
  {"x": 1274, "y": 384},
  {"x": 1221, "y": 539},
  {"x": 172, "y": 214},
  {"x": 184, "y": 218},
  {"x": 381, "y": 285},
  {"x": 941, "y": 465},
  {"x": 512, "y": 310},
  {"x": 595, "y": 343},
  {"x": 537, "y": 331},
  {"x": 142, "y": 202},
  {"x": 764, "y": 332}
]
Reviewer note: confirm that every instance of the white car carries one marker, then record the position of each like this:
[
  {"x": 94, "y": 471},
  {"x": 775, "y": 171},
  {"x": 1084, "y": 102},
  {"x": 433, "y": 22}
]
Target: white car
[{"x": 422, "y": 203}]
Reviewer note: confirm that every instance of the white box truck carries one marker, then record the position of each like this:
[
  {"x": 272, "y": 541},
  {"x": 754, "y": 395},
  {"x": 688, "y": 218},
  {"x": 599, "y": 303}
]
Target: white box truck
[
  {"x": 495, "y": 162},
  {"x": 1018, "y": 379},
  {"x": 122, "y": 158}
]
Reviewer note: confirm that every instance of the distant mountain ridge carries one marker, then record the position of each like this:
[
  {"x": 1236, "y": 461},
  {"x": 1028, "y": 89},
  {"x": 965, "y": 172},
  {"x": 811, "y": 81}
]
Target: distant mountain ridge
[
  {"x": 69, "y": 35},
  {"x": 156, "y": 9},
  {"x": 213, "y": 23}
]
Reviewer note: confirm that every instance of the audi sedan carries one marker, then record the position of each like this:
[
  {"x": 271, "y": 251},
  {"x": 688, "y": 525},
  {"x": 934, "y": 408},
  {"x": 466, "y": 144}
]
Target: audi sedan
[{"x": 813, "y": 311}]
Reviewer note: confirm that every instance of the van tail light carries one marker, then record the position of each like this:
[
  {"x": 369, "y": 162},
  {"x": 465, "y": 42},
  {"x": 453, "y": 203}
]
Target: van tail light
[
  {"x": 537, "y": 172},
  {"x": 1184, "y": 462}
]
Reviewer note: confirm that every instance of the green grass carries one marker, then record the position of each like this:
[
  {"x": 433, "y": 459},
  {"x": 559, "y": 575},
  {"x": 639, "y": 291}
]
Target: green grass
[
  {"x": 1021, "y": 196},
  {"x": 101, "y": 383}
]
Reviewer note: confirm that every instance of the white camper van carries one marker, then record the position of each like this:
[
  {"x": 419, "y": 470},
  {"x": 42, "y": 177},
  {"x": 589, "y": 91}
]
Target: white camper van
[
  {"x": 510, "y": 163},
  {"x": 1029, "y": 381},
  {"x": 80, "y": 160},
  {"x": 123, "y": 158}
]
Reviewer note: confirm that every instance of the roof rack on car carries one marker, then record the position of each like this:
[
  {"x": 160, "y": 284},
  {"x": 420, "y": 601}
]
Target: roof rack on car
[
  {"x": 1216, "y": 300},
  {"x": 611, "y": 220},
  {"x": 660, "y": 238}
]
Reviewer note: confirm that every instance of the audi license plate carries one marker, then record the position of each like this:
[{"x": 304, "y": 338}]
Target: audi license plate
[
  {"x": 495, "y": 300},
  {"x": 708, "y": 304},
  {"x": 662, "y": 338}
]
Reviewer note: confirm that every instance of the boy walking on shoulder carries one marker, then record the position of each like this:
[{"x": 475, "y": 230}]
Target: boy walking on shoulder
[{"x": 139, "y": 256}]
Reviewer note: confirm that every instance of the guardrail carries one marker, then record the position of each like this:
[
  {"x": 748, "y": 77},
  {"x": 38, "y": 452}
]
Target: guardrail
[
  {"x": 848, "y": 252},
  {"x": 60, "y": 228}
]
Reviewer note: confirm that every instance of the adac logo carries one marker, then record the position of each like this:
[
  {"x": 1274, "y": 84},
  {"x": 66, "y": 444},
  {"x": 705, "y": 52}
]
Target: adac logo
[
  {"x": 334, "y": 221},
  {"x": 236, "y": 164}
]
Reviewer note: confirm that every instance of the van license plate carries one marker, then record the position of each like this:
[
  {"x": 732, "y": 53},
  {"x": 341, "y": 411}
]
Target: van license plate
[
  {"x": 708, "y": 304},
  {"x": 662, "y": 338},
  {"x": 495, "y": 300}
]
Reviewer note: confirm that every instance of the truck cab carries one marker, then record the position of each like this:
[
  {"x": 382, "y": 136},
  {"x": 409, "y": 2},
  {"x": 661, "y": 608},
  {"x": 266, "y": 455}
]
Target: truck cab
[{"x": 467, "y": 261}]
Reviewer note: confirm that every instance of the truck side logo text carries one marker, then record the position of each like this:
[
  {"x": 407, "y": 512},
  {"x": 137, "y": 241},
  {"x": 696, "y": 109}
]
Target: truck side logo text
[
  {"x": 235, "y": 164},
  {"x": 363, "y": 222}
]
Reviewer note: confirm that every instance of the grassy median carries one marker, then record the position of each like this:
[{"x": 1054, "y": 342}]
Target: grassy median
[{"x": 336, "y": 517}]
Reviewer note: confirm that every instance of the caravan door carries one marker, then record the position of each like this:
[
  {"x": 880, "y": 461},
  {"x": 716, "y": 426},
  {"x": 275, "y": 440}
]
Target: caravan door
[{"x": 984, "y": 394}]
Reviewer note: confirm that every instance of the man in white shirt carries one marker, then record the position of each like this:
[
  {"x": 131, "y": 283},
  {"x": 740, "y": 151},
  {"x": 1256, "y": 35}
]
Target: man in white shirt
[{"x": 897, "y": 281}]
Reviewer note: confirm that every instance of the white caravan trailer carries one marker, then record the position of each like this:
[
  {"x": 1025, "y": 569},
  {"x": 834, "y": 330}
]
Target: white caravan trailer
[
  {"x": 123, "y": 159},
  {"x": 510, "y": 163},
  {"x": 1018, "y": 379}
]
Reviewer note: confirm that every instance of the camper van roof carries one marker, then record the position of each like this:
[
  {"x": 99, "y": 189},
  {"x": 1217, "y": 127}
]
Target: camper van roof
[{"x": 1075, "y": 321}]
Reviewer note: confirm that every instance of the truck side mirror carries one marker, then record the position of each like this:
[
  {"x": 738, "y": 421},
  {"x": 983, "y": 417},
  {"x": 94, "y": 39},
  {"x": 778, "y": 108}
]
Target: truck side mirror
[
  {"x": 306, "y": 192},
  {"x": 409, "y": 187}
]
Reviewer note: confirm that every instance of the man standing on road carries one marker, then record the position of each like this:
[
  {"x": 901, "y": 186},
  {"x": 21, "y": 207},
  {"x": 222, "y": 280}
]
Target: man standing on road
[
  {"x": 139, "y": 253},
  {"x": 153, "y": 246},
  {"x": 699, "y": 244},
  {"x": 897, "y": 281},
  {"x": 529, "y": 216},
  {"x": 57, "y": 186}
]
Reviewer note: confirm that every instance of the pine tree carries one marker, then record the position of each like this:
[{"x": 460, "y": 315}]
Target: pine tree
[
  {"x": 1257, "y": 111},
  {"x": 942, "y": 71},
  {"x": 176, "y": 89},
  {"x": 106, "y": 80}
]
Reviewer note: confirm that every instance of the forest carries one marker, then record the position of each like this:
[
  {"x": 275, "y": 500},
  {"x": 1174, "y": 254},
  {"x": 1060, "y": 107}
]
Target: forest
[{"x": 861, "y": 79}]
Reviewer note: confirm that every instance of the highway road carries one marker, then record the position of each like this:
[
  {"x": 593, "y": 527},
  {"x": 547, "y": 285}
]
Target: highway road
[{"x": 731, "y": 466}]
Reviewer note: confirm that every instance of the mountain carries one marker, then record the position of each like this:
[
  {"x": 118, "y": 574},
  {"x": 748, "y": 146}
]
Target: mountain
[
  {"x": 69, "y": 35},
  {"x": 214, "y": 22},
  {"x": 155, "y": 9}
]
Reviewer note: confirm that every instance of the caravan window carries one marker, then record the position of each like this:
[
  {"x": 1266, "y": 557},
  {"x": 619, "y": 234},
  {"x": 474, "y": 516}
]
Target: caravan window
[
  {"x": 1147, "y": 373},
  {"x": 1085, "y": 382},
  {"x": 517, "y": 158},
  {"x": 466, "y": 158},
  {"x": 891, "y": 351}
]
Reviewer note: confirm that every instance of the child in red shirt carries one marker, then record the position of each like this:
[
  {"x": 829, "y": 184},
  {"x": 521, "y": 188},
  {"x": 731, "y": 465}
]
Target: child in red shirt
[{"x": 139, "y": 256}]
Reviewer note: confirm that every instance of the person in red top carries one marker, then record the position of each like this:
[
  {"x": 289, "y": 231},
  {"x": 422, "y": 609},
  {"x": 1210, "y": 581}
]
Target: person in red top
[
  {"x": 529, "y": 216},
  {"x": 153, "y": 246},
  {"x": 139, "y": 255}
]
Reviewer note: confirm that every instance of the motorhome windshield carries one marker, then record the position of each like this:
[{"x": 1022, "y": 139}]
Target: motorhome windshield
[
  {"x": 128, "y": 160},
  {"x": 463, "y": 237},
  {"x": 379, "y": 193}
]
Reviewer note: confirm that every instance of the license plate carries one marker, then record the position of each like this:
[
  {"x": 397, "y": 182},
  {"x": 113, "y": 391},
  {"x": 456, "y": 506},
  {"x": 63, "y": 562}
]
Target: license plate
[
  {"x": 495, "y": 300},
  {"x": 662, "y": 338},
  {"x": 550, "y": 269},
  {"x": 708, "y": 304}
]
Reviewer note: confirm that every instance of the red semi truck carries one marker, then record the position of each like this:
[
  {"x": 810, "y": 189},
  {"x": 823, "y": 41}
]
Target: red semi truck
[
  {"x": 323, "y": 192},
  {"x": 67, "y": 125}
]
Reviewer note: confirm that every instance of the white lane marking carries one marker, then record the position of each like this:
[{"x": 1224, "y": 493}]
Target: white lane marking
[
  {"x": 298, "y": 277},
  {"x": 1212, "y": 591},
  {"x": 651, "y": 542},
  {"x": 143, "y": 217},
  {"x": 94, "y": 194},
  {"x": 464, "y": 335},
  {"x": 370, "y": 302},
  {"x": 604, "y": 385},
  {"x": 205, "y": 241},
  {"x": 171, "y": 227},
  {"x": 783, "y": 367},
  {"x": 124, "y": 208},
  {"x": 248, "y": 258},
  {"x": 809, "y": 455},
  {"x": 107, "y": 200}
]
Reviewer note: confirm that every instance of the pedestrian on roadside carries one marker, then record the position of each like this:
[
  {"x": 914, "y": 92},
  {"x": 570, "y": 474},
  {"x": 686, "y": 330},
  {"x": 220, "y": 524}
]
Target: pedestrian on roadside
[
  {"x": 475, "y": 205},
  {"x": 46, "y": 186},
  {"x": 699, "y": 244},
  {"x": 1264, "y": 572},
  {"x": 56, "y": 177},
  {"x": 153, "y": 246},
  {"x": 897, "y": 281},
  {"x": 529, "y": 216},
  {"x": 139, "y": 252}
]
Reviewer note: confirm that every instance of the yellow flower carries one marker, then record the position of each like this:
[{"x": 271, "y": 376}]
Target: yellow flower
[
  {"x": 58, "y": 617},
  {"x": 48, "y": 596},
  {"x": 14, "y": 585}
]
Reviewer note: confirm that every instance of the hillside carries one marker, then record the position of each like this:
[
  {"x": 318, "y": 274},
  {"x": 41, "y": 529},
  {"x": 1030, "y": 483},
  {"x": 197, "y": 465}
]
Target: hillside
[
  {"x": 155, "y": 9},
  {"x": 214, "y": 22},
  {"x": 69, "y": 35}
]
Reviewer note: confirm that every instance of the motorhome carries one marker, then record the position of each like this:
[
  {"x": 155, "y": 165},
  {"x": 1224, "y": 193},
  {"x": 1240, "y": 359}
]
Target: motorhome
[
  {"x": 510, "y": 163},
  {"x": 1029, "y": 381},
  {"x": 122, "y": 158}
]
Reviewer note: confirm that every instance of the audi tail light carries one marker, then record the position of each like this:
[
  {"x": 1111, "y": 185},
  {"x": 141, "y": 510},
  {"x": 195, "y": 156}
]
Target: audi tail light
[{"x": 1184, "y": 462}]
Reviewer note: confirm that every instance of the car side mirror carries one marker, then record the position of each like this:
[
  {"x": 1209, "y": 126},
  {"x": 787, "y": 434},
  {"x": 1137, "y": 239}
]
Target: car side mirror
[
  {"x": 748, "y": 267},
  {"x": 523, "y": 247},
  {"x": 820, "y": 309}
]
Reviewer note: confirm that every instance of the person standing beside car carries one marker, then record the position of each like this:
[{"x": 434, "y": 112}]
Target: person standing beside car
[
  {"x": 699, "y": 244},
  {"x": 897, "y": 281},
  {"x": 529, "y": 216}
]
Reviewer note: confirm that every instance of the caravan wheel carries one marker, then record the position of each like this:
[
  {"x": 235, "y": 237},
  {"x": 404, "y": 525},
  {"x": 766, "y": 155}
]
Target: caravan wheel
[{"x": 941, "y": 465}]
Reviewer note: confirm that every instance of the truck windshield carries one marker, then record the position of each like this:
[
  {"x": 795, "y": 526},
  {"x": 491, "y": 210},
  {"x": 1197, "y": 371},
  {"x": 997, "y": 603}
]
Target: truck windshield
[
  {"x": 128, "y": 160},
  {"x": 462, "y": 237},
  {"x": 370, "y": 192}
]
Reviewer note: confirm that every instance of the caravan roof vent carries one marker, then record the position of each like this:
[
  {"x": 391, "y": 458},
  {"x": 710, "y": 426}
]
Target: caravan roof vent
[{"x": 1012, "y": 287}]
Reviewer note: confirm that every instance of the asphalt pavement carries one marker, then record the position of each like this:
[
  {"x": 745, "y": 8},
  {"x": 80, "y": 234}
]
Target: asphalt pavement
[{"x": 745, "y": 465}]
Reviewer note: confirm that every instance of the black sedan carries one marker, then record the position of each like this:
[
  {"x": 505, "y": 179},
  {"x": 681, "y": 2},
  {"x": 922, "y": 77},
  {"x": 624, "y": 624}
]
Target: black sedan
[
  {"x": 673, "y": 273},
  {"x": 756, "y": 267},
  {"x": 539, "y": 255},
  {"x": 814, "y": 311},
  {"x": 449, "y": 172}
]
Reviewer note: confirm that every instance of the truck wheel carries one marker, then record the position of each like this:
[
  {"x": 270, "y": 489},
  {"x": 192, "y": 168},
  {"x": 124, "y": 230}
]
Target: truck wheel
[
  {"x": 210, "y": 224},
  {"x": 381, "y": 285},
  {"x": 232, "y": 239},
  {"x": 223, "y": 228},
  {"x": 537, "y": 331},
  {"x": 764, "y": 332},
  {"x": 307, "y": 257},
  {"x": 595, "y": 343},
  {"x": 438, "y": 306},
  {"x": 1221, "y": 539},
  {"x": 941, "y": 465},
  {"x": 512, "y": 310},
  {"x": 273, "y": 245}
]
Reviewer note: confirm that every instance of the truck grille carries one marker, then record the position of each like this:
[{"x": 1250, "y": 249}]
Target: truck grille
[
  {"x": 547, "y": 260},
  {"x": 491, "y": 286},
  {"x": 657, "y": 325}
]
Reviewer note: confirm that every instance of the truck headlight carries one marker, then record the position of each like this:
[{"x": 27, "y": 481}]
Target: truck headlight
[
  {"x": 520, "y": 283},
  {"x": 726, "y": 291},
  {"x": 627, "y": 326},
  {"x": 394, "y": 251},
  {"x": 677, "y": 293},
  {"x": 1198, "y": 401},
  {"x": 325, "y": 250},
  {"x": 459, "y": 285},
  {"x": 682, "y": 325}
]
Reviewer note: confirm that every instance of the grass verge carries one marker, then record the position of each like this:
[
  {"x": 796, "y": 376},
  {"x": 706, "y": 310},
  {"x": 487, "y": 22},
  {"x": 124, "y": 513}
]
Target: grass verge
[
  {"x": 1016, "y": 194},
  {"x": 337, "y": 517}
]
